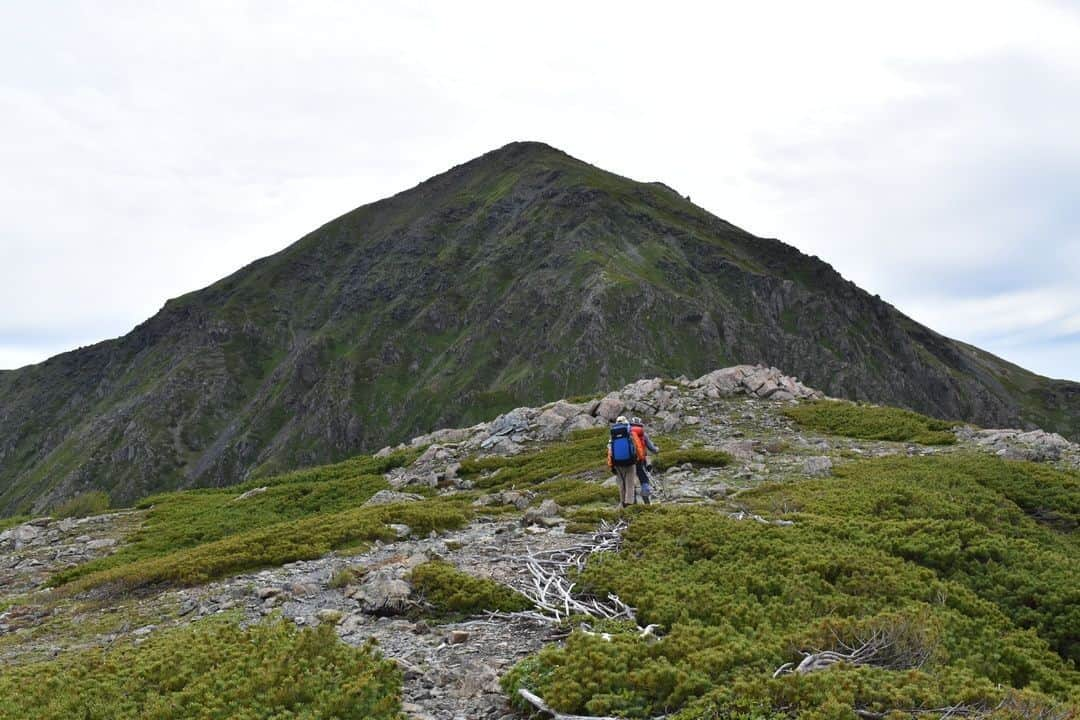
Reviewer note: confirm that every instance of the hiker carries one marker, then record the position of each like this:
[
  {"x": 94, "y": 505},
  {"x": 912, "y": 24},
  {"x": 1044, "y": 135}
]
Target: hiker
[
  {"x": 643, "y": 466},
  {"x": 623, "y": 451}
]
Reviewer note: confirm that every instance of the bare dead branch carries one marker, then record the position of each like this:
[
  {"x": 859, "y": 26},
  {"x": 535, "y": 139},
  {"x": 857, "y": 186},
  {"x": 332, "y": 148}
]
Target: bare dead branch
[{"x": 537, "y": 702}]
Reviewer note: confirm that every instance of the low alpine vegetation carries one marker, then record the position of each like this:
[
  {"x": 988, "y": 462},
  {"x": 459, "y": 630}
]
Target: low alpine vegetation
[
  {"x": 581, "y": 454},
  {"x": 273, "y": 544},
  {"x": 456, "y": 594},
  {"x": 95, "y": 502},
  {"x": 211, "y": 670},
  {"x": 943, "y": 570},
  {"x": 872, "y": 422},
  {"x": 700, "y": 457},
  {"x": 210, "y": 532},
  {"x": 568, "y": 492}
]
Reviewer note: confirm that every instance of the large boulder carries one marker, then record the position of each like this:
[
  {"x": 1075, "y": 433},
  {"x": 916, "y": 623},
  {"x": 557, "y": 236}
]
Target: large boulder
[
  {"x": 511, "y": 423},
  {"x": 382, "y": 592},
  {"x": 610, "y": 408},
  {"x": 390, "y": 497}
]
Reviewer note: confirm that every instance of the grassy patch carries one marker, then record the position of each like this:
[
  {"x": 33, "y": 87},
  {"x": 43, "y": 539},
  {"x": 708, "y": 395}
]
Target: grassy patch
[
  {"x": 210, "y": 670},
  {"x": 584, "y": 452},
  {"x": 274, "y": 544},
  {"x": 12, "y": 521},
  {"x": 182, "y": 521},
  {"x": 186, "y": 520},
  {"x": 89, "y": 503},
  {"x": 872, "y": 422},
  {"x": 353, "y": 467},
  {"x": 567, "y": 492},
  {"x": 456, "y": 594},
  {"x": 945, "y": 554}
]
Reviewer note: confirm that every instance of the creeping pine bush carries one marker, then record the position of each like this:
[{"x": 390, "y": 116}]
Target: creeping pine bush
[
  {"x": 945, "y": 556},
  {"x": 584, "y": 452},
  {"x": 189, "y": 526},
  {"x": 872, "y": 422},
  {"x": 210, "y": 670},
  {"x": 274, "y": 544},
  {"x": 457, "y": 594},
  {"x": 572, "y": 491}
]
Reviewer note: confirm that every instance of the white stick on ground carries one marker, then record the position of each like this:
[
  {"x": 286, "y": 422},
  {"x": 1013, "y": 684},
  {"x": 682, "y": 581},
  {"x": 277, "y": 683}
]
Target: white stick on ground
[
  {"x": 537, "y": 702},
  {"x": 549, "y": 588}
]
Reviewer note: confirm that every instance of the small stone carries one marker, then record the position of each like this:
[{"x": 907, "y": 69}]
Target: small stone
[
  {"x": 533, "y": 516},
  {"x": 457, "y": 637},
  {"x": 381, "y": 593},
  {"x": 820, "y": 466},
  {"x": 402, "y": 531},
  {"x": 389, "y": 497},
  {"x": 717, "y": 491},
  {"x": 739, "y": 449},
  {"x": 301, "y": 589},
  {"x": 101, "y": 544},
  {"x": 25, "y": 533},
  {"x": 329, "y": 615},
  {"x": 267, "y": 592},
  {"x": 250, "y": 493},
  {"x": 513, "y": 497},
  {"x": 144, "y": 630}
]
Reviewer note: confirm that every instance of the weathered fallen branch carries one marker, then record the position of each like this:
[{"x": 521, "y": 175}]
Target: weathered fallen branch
[
  {"x": 537, "y": 702},
  {"x": 743, "y": 515},
  {"x": 879, "y": 650},
  {"x": 551, "y": 590},
  {"x": 1013, "y": 706}
]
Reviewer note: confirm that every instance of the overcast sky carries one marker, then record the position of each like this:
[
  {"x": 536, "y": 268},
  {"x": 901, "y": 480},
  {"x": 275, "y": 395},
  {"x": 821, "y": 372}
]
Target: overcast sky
[{"x": 928, "y": 151}]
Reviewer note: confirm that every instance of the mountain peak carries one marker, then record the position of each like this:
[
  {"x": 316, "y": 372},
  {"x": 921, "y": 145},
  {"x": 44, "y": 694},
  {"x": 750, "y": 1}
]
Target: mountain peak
[{"x": 521, "y": 276}]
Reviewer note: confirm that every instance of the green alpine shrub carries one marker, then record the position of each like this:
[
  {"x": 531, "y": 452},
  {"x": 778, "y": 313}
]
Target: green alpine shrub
[
  {"x": 274, "y": 544},
  {"x": 583, "y": 453},
  {"x": 211, "y": 670},
  {"x": 83, "y": 505},
  {"x": 872, "y": 422},
  {"x": 457, "y": 594},
  {"x": 951, "y": 558}
]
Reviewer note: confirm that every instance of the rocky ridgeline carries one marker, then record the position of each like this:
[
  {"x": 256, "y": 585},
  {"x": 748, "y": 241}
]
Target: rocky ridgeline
[
  {"x": 1032, "y": 445},
  {"x": 666, "y": 404}
]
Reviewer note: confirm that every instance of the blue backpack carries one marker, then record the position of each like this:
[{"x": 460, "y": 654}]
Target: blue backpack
[{"x": 622, "y": 445}]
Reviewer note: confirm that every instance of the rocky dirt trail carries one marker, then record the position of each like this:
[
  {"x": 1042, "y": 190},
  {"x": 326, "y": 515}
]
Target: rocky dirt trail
[{"x": 451, "y": 670}]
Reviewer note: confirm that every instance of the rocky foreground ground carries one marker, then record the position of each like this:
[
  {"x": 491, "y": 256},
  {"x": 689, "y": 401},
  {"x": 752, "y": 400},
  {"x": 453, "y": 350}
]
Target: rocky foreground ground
[{"x": 452, "y": 670}]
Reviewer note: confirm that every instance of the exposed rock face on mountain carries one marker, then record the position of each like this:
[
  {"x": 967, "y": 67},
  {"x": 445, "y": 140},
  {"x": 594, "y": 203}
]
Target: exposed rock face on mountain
[{"x": 521, "y": 276}]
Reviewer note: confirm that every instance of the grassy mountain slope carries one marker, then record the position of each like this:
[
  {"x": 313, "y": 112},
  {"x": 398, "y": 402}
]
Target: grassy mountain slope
[{"x": 522, "y": 275}]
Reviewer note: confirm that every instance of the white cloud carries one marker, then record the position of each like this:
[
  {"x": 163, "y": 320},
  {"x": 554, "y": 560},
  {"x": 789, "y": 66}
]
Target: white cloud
[{"x": 927, "y": 150}]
